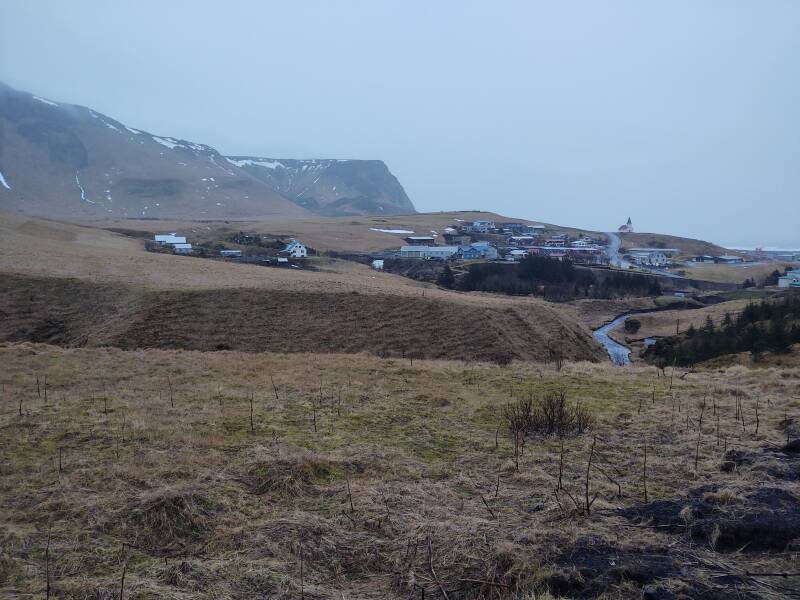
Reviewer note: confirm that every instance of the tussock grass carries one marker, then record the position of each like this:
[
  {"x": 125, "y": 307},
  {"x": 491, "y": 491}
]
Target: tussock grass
[
  {"x": 164, "y": 521},
  {"x": 372, "y": 477}
]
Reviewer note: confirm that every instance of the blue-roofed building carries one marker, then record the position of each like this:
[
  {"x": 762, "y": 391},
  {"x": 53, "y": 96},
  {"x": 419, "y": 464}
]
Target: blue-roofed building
[
  {"x": 478, "y": 250},
  {"x": 295, "y": 249}
]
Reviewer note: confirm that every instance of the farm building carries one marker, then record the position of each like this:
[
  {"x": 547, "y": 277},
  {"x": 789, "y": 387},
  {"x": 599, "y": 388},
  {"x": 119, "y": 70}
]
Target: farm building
[
  {"x": 556, "y": 240},
  {"x": 534, "y": 229},
  {"x": 456, "y": 239},
  {"x": 168, "y": 239},
  {"x": 650, "y": 259},
  {"x": 295, "y": 249},
  {"x": 230, "y": 253},
  {"x": 182, "y": 248},
  {"x": 441, "y": 252},
  {"x": 520, "y": 240},
  {"x": 790, "y": 280},
  {"x": 420, "y": 240},
  {"x": 516, "y": 255},
  {"x": 728, "y": 259}
]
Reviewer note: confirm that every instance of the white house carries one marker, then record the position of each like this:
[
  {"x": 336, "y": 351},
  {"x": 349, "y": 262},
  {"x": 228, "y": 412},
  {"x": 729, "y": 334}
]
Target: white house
[
  {"x": 377, "y": 264},
  {"x": 441, "y": 252},
  {"x": 295, "y": 249},
  {"x": 650, "y": 258},
  {"x": 534, "y": 229},
  {"x": 516, "y": 255},
  {"x": 521, "y": 240},
  {"x": 168, "y": 239},
  {"x": 480, "y": 226},
  {"x": 790, "y": 280}
]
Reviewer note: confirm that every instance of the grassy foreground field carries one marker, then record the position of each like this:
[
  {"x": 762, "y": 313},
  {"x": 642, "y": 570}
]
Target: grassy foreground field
[{"x": 177, "y": 474}]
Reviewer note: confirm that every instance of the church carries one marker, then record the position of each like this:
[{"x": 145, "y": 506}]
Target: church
[{"x": 627, "y": 228}]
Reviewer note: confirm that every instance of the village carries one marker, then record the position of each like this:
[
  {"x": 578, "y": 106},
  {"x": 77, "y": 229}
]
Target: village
[{"x": 469, "y": 242}]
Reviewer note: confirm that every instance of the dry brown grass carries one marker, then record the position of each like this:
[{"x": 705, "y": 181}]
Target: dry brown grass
[
  {"x": 38, "y": 247},
  {"x": 733, "y": 273},
  {"x": 688, "y": 246},
  {"x": 342, "y": 234},
  {"x": 200, "y": 505},
  {"x": 670, "y": 322},
  {"x": 76, "y": 313}
]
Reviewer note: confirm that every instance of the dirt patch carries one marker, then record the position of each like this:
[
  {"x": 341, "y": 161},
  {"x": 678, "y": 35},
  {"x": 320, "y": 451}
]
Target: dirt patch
[
  {"x": 759, "y": 519},
  {"x": 591, "y": 566}
]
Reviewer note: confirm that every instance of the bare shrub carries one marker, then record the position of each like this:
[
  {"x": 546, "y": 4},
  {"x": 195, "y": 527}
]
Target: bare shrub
[
  {"x": 503, "y": 358},
  {"x": 584, "y": 419},
  {"x": 550, "y": 415},
  {"x": 553, "y": 415},
  {"x": 518, "y": 417},
  {"x": 632, "y": 325}
]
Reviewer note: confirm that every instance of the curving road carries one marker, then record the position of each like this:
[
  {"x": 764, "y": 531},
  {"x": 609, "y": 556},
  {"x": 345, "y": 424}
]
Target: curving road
[
  {"x": 612, "y": 251},
  {"x": 615, "y": 258}
]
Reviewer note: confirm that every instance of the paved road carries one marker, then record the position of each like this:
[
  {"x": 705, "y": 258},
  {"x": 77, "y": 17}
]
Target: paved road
[{"x": 612, "y": 251}]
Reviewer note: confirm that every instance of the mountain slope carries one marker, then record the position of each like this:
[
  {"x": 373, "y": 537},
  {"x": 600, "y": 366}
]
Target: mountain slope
[
  {"x": 331, "y": 187},
  {"x": 71, "y": 162}
]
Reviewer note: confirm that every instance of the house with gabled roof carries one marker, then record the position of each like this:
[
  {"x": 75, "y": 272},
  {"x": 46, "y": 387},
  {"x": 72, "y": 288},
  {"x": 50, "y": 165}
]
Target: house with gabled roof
[{"x": 295, "y": 249}]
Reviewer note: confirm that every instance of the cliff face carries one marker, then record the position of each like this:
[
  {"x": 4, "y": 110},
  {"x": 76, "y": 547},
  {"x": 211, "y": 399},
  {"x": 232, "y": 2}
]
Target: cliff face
[
  {"x": 331, "y": 187},
  {"x": 71, "y": 162}
]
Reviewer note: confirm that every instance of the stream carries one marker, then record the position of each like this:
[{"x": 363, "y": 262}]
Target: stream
[{"x": 619, "y": 353}]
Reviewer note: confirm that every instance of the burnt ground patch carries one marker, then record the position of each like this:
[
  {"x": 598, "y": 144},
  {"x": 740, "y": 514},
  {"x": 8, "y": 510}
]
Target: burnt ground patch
[
  {"x": 591, "y": 567},
  {"x": 747, "y": 519}
]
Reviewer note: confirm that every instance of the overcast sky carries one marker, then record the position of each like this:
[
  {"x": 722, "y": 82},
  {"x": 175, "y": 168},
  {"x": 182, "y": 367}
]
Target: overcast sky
[{"x": 684, "y": 115}]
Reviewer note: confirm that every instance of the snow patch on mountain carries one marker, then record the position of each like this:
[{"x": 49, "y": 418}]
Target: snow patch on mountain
[
  {"x": 167, "y": 142},
  {"x": 391, "y": 230},
  {"x": 268, "y": 164},
  {"x": 45, "y": 101},
  {"x": 3, "y": 181},
  {"x": 83, "y": 192}
]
